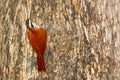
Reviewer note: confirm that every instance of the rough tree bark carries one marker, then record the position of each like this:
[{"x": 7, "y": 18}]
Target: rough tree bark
[{"x": 83, "y": 39}]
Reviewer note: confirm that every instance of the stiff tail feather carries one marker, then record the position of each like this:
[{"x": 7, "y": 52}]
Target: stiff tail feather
[{"x": 41, "y": 64}]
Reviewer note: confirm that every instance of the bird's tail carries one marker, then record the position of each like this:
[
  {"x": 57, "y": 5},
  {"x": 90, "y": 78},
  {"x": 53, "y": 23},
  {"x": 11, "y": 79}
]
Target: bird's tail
[{"x": 40, "y": 63}]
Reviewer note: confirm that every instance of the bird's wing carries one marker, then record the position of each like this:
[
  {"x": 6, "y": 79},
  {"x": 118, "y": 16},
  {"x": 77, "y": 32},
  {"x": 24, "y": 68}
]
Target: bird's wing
[{"x": 42, "y": 39}]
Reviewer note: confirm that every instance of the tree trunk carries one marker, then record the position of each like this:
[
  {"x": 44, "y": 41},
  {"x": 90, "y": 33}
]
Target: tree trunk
[{"x": 82, "y": 39}]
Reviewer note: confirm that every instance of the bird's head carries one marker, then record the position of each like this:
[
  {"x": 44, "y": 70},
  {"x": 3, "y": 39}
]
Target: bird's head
[{"x": 29, "y": 24}]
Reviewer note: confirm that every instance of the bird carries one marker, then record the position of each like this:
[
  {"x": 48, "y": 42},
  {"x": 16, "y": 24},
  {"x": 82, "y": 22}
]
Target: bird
[{"x": 38, "y": 40}]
